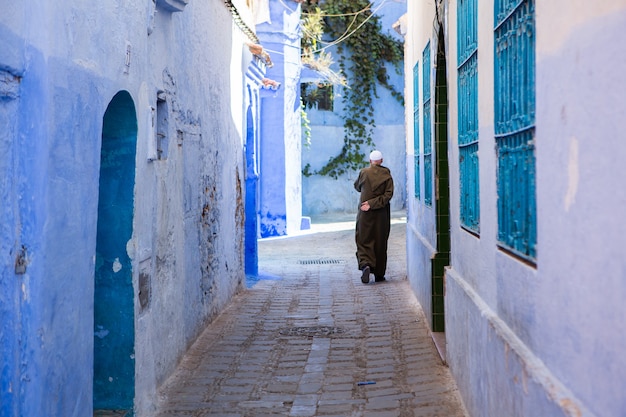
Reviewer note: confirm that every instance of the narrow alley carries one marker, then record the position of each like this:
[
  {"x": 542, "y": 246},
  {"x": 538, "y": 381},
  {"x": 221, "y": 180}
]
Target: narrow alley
[{"x": 311, "y": 340}]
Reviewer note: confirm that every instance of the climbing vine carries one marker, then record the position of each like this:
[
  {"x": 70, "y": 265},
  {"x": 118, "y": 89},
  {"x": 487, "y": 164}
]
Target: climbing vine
[{"x": 363, "y": 52}]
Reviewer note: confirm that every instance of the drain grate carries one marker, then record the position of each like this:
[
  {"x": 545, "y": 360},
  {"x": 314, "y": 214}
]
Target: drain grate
[
  {"x": 321, "y": 261},
  {"x": 312, "y": 331}
]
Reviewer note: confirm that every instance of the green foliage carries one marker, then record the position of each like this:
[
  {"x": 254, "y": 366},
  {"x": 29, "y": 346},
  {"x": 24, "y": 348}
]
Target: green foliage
[
  {"x": 363, "y": 54},
  {"x": 313, "y": 54}
]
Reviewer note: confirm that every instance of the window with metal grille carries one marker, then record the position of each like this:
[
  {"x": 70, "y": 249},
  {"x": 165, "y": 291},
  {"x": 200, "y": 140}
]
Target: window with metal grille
[
  {"x": 317, "y": 96},
  {"x": 326, "y": 99},
  {"x": 416, "y": 128},
  {"x": 467, "y": 47},
  {"x": 514, "y": 44},
  {"x": 428, "y": 145}
]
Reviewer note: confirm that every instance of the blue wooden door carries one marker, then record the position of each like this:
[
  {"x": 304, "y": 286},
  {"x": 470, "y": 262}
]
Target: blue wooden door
[{"x": 114, "y": 328}]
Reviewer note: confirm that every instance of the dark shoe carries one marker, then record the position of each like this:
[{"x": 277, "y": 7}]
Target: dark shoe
[
  {"x": 380, "y": 279},
  {"x": 365, "y": 276}
]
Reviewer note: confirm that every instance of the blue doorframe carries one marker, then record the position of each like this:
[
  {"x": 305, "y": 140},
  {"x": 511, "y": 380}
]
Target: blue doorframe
[{"x": 114, "y": 319}]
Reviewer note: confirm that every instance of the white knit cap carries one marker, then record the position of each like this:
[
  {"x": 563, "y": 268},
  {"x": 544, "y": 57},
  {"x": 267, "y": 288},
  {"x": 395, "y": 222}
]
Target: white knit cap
[{"x": 376, "y": 156}]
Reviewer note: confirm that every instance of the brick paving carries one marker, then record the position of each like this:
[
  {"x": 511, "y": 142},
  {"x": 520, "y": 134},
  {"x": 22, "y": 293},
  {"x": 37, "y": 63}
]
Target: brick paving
[{"x": 301, "y": 344}]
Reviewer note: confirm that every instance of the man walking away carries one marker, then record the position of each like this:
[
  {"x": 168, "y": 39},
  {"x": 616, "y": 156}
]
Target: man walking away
[{"x": 373, "y": 220}]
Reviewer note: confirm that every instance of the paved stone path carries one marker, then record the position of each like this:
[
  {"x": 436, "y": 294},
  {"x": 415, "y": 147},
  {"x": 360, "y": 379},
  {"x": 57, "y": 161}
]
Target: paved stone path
[{"x": 316, "y": 342}]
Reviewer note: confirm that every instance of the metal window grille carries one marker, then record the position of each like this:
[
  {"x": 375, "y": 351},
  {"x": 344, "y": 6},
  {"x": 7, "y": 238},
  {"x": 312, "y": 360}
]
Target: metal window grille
[
  {"x": 326, "y": 98},
  {"x": 317, "y": 96},
  {"x": 467, "y": 18},
  {"x": 428, "y": 147},
  {"x": 416, "y": 129},
  {"x": 515, "y": 125}
]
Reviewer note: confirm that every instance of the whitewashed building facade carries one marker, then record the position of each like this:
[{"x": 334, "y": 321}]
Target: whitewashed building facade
[{"x": 515, "y": 238}]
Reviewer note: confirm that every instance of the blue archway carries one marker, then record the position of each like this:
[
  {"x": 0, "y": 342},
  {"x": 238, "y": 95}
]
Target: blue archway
[
  {"x": 114, "y": 318},
  {"x": 251, "y": 206}
]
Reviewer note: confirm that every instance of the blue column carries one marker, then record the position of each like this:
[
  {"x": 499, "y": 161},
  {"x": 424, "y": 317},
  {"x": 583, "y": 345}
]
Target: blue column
[{"x": 280, "y": 181}]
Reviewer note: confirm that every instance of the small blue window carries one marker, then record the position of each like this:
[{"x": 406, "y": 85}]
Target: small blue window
[
  {"x": 467, "y": 47},
  {"x": 514, "y": 89},
  {"x": 428, "y": 147}
]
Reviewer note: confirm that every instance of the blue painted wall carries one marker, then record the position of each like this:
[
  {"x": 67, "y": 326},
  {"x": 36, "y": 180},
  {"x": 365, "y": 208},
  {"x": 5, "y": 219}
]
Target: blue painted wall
[
  {"x": 10, "y": 246},
  {"x": 49, "y": 303},
  {"x": 280, "y": 172},
  {"x": 181, "y": 244}
]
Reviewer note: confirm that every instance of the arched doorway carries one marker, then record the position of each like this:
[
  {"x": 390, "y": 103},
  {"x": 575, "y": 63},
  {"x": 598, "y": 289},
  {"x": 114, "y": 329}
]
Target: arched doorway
[
  {"x": 441, "y": 259},
  {"x": 252, "y": 179},
  {"x": 114, "y": 318}
]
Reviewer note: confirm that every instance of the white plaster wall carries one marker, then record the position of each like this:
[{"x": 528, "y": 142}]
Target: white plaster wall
[
  {"x": 293, "y": 130},
  {"x": 473, "y": 256},
  {"x": 192, "y": 224},
  {"x": 547, "y": 340},
  {"x": 421, "y": 231},
  {"x": 581, "y": 62}
]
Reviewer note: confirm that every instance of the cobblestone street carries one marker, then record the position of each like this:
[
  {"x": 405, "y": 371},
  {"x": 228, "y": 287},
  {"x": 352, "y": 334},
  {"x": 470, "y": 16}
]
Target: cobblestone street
[{"x": 312, "y": 340}]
